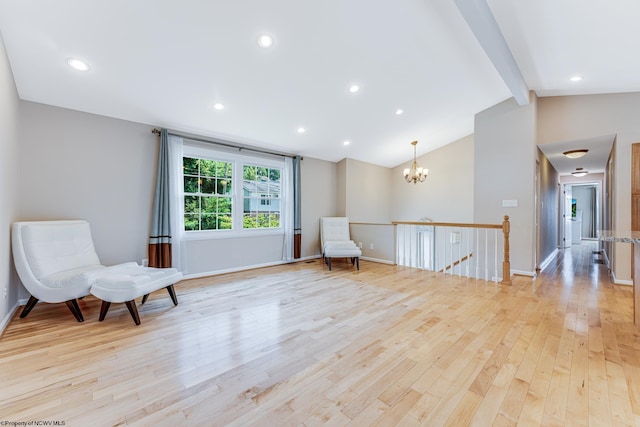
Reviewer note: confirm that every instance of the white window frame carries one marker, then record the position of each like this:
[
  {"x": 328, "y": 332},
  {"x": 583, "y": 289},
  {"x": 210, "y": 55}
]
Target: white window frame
[{"x": 196, "y": 150}]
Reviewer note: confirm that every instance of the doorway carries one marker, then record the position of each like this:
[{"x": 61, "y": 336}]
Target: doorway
[{"x": 581, "y": 212}]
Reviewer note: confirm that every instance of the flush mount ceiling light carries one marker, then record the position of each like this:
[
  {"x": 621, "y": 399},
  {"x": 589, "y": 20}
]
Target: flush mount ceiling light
[
  {"x": 265, "y": 40},
  {"x": 579, "y": 172},
  {"x": 399, "y": 111},
  {"x": 301, "y": 130},
  {"x": 77, "y": 64},
  {"x": 576, "y": 78},
  {"x": 415, "y": 173},
  {"x": 345, "y": 143},
  {"x": 354, "y": 88},
  {"x": 575, "y": 154},
  {"x": 218, "y": 106}
]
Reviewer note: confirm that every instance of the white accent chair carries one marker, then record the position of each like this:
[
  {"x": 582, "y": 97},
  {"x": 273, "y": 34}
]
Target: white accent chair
[
  {"x": 57, "y": 262},
  {"x": 336, "y": 241}
]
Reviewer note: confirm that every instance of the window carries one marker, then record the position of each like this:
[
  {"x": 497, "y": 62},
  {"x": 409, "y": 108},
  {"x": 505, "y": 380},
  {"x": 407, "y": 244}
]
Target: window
[
  {"x": 261, "y": 192},
  {"x": 207, "y": 194},
  {"x": 227, "y": 194}
]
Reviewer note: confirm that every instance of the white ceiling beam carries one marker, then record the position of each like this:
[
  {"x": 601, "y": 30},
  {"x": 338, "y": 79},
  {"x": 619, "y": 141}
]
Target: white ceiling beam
[{"x": 485, "y": 28}]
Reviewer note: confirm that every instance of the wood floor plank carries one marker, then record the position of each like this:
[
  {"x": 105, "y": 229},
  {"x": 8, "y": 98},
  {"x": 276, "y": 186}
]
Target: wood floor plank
[{"x": 298, "y": 345}]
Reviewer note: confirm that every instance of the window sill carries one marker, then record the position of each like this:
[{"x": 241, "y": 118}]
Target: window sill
[{"x": 230, "y": 234}]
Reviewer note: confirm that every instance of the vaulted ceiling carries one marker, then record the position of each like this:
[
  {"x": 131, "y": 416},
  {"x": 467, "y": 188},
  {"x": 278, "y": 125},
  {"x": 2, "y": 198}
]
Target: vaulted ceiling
[{"x": 169, "y": 64}]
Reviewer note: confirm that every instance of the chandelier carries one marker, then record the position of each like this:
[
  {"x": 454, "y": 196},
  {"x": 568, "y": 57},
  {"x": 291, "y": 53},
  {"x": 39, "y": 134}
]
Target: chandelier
[{"x": 415, "y": 173}]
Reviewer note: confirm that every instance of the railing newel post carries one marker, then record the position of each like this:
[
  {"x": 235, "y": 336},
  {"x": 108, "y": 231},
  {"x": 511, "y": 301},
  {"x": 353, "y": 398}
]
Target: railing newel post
[{"x": 506, "y": 264}]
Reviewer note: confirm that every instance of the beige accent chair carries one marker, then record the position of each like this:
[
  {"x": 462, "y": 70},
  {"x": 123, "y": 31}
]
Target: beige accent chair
[{"x": 336, "y": 241}]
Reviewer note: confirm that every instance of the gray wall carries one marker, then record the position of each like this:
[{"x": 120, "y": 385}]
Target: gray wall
[
  {"x": 549, "y": 193},
  {"x": 9, "y": 107},
  {"x": 504, "y": 169},
  {"x": 319, "y": 189},
  {"x": 85, "y": 166},
  {"x": 80, "y": 165},
  {"x": 368, "y": 191},
  {"x": 446, "y": 195}
]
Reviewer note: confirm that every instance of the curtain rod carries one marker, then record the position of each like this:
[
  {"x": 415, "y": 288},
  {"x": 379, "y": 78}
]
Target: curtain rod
[{"x": 156, "y": 131}]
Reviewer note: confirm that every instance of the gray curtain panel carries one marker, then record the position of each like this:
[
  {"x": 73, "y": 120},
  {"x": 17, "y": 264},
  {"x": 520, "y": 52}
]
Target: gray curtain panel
[
  {"x": 297, "y": 219},
  {"x": 160, "y": 235}
]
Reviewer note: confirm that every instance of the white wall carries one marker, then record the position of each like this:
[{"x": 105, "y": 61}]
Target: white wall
[
  {"x": 570, "y": 118},
  {"x": 504, "y": 169},
  {"x": 9, "y": 110},
  {"x": 446, "y": 195}
]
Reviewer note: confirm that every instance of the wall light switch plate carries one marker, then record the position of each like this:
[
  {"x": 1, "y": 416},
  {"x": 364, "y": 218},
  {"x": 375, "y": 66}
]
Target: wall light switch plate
[{"x": 510, "y": 203}]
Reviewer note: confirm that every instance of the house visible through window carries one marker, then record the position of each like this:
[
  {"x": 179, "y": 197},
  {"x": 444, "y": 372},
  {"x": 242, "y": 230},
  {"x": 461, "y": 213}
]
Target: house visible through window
[
  {"x": 228, "y": 193},
  {"x": 261, "y": 192}
]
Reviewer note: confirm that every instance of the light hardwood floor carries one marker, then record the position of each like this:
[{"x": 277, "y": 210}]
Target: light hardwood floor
[{"x": 298, "y": 345}]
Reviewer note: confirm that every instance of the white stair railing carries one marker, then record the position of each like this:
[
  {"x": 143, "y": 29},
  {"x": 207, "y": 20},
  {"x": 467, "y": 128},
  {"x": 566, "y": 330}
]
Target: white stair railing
[{"x": 470, "y": 250}]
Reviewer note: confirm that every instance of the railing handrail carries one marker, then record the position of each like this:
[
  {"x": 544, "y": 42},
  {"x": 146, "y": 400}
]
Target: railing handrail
[{"x": 447, "y": 224}]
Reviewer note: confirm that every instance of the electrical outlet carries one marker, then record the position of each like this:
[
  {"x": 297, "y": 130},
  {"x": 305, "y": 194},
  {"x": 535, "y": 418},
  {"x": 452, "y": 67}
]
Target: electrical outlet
[
  {"x": 371, "y": 246},
  {"x": 360, "y": 245},
  {"x": 145, "y": 262}
]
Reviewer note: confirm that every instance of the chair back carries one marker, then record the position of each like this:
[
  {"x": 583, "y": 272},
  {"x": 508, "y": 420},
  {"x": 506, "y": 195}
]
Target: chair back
[
  {"x": 42, "y": 248},
  {"x": 334, "y": 229}
]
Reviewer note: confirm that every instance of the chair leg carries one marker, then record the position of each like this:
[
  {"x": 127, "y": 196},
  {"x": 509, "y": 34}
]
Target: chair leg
[
  {"x": 75, "y": 309},
  {"x": 103, "y": 310},
  {"x": 172, "y": 293},
  {"x": 131, "y": 305},
  {"x": 329, "y": 262},
  {"x": 29, "y": 306},
  {"x": 144, "y": 298},
  {"x": 358, "y": 262}
]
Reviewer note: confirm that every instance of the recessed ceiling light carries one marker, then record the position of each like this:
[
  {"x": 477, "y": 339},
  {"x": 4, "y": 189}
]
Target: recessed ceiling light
[
  {"x": 575, "y": 154},
  {"x": 301, "y": 130},
  {"x": 346, "y": 142},
  {"x": 78, "y": 65},
  {"x": 399, "y": 111},
  {"x": 265, "y": 40},
  {"x": 576, "y": 78},
  {"x": 218, "y": 106},
  {"x": 354, "y": 88}
]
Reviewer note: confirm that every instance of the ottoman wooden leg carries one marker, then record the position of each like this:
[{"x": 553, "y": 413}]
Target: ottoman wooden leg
[
  {"x": 144, "y": 298},
  {"x": 131, "y": 305},
  {"x": 172, "y": 293},
  {"x": 103, "y": 310}
]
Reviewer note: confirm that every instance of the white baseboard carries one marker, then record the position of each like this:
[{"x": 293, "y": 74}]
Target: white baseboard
[
  {"x": 523, "y": 273},
  {"x": 620, "y": 281},
  {"x": 246, "y": 267},
  {"x": 381, "y": 261},
  {"x": 9, "y": 316},
  {"x": 544, "y": 264}
]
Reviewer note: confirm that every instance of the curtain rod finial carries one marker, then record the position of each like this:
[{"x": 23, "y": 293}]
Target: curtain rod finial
[{"x": 156, "y": 131}]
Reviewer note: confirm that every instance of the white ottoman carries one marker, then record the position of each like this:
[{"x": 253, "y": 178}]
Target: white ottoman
[
  {"x": 125, "y": 285},
  {"x": 346, "y": 249}
]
